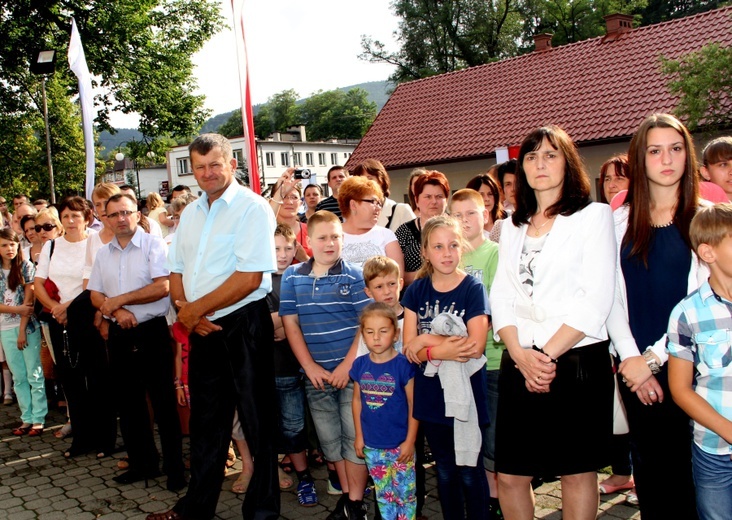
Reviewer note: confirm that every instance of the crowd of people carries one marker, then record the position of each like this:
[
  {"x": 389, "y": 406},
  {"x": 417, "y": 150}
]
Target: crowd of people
[{"x": 512, "y": 331}]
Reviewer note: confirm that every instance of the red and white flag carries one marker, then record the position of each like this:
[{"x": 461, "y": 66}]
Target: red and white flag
[
  {"x": 77, "y": 62},
  {"x": 247, "y": 116}
]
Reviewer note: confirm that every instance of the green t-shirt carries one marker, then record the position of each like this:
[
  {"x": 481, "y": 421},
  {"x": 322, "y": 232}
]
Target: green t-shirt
[{"x": 482, "y": 264}]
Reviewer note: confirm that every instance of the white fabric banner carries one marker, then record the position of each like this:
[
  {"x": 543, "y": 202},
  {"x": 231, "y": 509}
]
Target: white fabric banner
[{"x": 77, "y": 62}]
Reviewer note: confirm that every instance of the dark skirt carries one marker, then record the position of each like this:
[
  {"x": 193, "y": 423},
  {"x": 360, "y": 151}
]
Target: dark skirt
[{"x": 565, "y": 431}]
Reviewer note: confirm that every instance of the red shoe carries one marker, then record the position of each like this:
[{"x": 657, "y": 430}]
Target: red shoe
[
  {"x": 35, "y": 432},
  {"x": 606, "y": 489},
  {"x": 21, "y": 430}
]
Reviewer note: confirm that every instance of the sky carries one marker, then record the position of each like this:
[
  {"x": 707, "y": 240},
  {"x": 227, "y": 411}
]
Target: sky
[{"x": 291, "y": 44}]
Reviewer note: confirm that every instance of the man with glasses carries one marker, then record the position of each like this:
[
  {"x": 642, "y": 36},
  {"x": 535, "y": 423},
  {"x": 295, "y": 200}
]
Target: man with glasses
[{"x": 129, "y": 284}]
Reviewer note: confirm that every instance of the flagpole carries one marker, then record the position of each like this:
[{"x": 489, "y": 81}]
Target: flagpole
[{"x": 247, "y": 116}]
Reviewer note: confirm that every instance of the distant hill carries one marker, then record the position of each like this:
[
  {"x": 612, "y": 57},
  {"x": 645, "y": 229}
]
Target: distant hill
[{"x": 378, "y": 92}]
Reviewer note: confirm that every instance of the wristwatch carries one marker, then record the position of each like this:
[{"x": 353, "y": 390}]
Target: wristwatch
[{"x": 651, "y": 362}]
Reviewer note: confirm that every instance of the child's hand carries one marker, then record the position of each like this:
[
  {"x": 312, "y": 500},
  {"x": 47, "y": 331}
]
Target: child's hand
[
  {"x": 455, "y": 348},
  {"x": 339, "y": 378},
  {"x": 358, "y": 445},
  {"x": 24, "y": 310},
  {"x": 317, "y": 375},
  {"x": 180, "y": 395},
  {"x": 22, "y": 341},
  {"x": 411, "y": 349},
  {"x": 406, "y": 452}
]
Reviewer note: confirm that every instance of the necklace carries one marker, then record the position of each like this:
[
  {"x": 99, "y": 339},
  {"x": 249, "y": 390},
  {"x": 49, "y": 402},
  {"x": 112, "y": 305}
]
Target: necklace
[{"x": 538, "y": 229}]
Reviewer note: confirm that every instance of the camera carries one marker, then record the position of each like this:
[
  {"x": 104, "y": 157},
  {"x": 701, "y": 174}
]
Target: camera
[{"x": 303, "y": 173}]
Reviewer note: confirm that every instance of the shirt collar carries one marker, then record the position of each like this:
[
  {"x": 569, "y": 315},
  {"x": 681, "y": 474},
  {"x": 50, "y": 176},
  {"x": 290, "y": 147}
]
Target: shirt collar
[
  {"x": 306, "y": 268},
  {"x": 228, "y": 196},
  {"x": 135, "y": 241}
]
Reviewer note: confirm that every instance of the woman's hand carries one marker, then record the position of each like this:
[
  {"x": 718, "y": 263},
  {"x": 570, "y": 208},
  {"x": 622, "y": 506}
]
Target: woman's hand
[
  {"x": 650, "y": 392},
  {"x": 286, "y": 182},
  {"x": 59, "y": 312},
  {"x": 635, "y": 372},
  {"x": 537, "y": 369}
]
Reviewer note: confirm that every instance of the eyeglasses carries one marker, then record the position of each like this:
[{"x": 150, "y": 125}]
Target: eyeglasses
[
  {"x": 45, "y": 227},
  {"x": 3, "y": 203},
  {"x": 373, "y": 202},
  {"x": 124, "y": 213}
]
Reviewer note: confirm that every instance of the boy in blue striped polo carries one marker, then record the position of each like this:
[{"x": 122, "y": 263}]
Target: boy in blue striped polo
[
  {"x": 320, "y": 304},
  {"x": 700, "y": 362}
]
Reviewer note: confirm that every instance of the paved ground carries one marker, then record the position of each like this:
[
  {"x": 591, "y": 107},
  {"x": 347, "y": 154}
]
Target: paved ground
[{"x": 36, "y": 482}]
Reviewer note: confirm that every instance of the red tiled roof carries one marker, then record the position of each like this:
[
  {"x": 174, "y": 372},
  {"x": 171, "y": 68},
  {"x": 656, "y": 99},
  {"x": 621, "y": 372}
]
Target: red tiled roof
[{"x": 597, "y": 89}]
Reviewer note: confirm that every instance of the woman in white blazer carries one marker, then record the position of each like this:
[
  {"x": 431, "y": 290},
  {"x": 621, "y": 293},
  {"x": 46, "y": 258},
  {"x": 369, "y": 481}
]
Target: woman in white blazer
[
  {"x": 551, "y": 296},
  {"x": 656, "y": 268}
]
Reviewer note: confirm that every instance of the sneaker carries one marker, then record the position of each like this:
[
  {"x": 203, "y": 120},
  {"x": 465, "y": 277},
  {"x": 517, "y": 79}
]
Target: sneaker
[
  {"x": 334, "y": 487},
  {"x": 494, "y": 509},
  {"x": 306, "y": 495},
  {"x": 340, "y": 512}
]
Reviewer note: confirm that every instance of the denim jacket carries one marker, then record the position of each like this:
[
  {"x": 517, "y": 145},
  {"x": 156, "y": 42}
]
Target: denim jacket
[{"x": 29, "y": 272}]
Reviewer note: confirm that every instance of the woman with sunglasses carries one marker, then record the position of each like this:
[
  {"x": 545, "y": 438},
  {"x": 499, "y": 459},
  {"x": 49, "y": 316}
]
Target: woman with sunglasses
[
  {"x": 361, "y": 200},
  {"x": 33, "y": 251},
  {"x": 78, "y": 348}
]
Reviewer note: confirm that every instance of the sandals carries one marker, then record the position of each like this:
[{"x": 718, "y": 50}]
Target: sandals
[
  {"x": 286, "y": 481},
  {"x": 64, "y": 432},
  {"x": 288, "y": 467},
  {"x": 22, "y": 430},
  {"x": 241, "y": 484},
  {"x": 606, "y": 489},
  {"x": 315, "y": 458},
  {"x": 230, "y": 457},
  {"x": 631, "y": 497},
  {"x": 35, "y": 431}
]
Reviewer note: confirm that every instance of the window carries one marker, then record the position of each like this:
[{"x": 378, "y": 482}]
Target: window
[
  {"x": 297, "y": 159},
  {"x": 183, "y": 168},
  {"x": 321, "y": 159},
  {"x": 269, "y": 158},
  {"x": 333, "y": 159},
  {"x": 285, "y": 159},
  {"x": 309, "y": 159},
  {"x": 346, "y": 155},
  {"x": 239, "y": 156}
]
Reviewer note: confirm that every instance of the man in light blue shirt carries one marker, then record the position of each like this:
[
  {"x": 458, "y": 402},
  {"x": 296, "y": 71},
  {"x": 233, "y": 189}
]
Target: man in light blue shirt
[
  {"x": 129, "y": 285},
  {"x": 221, "y": 261}
]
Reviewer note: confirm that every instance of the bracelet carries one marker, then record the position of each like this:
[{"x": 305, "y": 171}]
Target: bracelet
[
  {"x": 429, "y": 354},
  {"x": 181, "y": 387},
  {"x": 539, "y": 349}
]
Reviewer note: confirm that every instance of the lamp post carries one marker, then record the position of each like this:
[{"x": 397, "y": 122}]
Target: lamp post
[
  {"x": 44, "y": 63},
  {"x": 134, "y": 149}
]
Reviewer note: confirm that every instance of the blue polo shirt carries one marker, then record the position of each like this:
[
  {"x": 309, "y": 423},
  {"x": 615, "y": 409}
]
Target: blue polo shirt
[{"x": 328, "y": 308}]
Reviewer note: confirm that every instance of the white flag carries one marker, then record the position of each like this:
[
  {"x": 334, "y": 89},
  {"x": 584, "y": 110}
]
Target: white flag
[{"x": 77, "y": 62}]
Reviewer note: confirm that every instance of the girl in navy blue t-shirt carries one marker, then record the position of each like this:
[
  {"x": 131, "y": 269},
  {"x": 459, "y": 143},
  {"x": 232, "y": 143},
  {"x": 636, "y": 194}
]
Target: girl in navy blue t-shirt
[{"x": 445, "y": 329}]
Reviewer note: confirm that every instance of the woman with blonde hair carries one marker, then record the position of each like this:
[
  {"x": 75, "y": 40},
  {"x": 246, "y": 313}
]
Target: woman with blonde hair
[{"x": 158, "y": 212}]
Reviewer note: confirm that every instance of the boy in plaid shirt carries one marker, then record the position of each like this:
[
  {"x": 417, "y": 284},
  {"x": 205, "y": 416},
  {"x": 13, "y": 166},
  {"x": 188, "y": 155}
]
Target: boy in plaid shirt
[{"x": 700, "y": 362}]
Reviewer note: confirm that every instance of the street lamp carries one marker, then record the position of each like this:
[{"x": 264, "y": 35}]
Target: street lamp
[
  {"x": 44, "y": 63},
  {"x": 119, "y": 156}
]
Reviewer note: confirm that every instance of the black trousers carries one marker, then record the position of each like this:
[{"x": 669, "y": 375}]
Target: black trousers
[
  {"x": 82, "y": 367},
  {"x": 660, "y": 446},
  {"x": 141, "y": 359},
  {"x": 228, "y": 369}
]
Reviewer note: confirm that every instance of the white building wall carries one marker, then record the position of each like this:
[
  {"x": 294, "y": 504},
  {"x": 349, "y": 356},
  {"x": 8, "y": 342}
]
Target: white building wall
[{"x": 274, "y": 158}]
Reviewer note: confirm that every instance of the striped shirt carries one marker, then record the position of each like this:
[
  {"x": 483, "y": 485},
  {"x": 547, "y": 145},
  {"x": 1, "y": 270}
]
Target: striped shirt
[
  {"x": 328, "y": 308},
  {"x": 700, "y": 330},
  {"x": 330, "y": 204}
]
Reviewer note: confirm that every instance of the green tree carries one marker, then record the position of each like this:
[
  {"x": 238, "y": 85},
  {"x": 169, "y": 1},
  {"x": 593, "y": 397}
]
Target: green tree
[
  {"x": 663, "y": 10},
  {"x": 233, "y": 126},
  {"x": 279, "y": 113},
  {"x": 140, "y": 51},
  {"x": 338, "y": 114},
  {"x": 702, "y": 81},
  {"x": 438, "y": 36}
]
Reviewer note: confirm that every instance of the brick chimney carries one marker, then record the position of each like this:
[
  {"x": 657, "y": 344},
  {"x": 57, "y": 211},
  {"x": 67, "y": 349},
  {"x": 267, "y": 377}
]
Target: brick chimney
[
  {"x": 617, "y": 24},
  {"x": 542, "y": 42}
]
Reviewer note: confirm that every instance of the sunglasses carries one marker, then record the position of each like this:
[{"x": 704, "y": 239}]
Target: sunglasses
[{"x": 45, "y": 227}]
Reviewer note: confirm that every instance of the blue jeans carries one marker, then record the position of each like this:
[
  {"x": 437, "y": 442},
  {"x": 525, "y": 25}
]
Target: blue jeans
[
  {"x": 713, "y": 481},
  {"x": 462, "y": 488},
  {"x": 292, "y": 414},
  {"x": 28, "y": 381},
  {"x": 332, "y": 412},
  {"x": 489, "y": 433}
]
